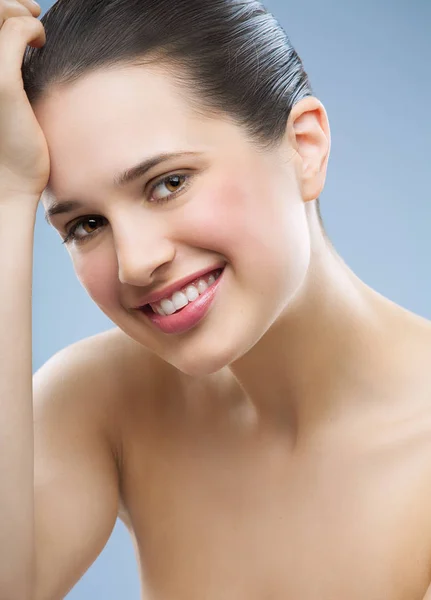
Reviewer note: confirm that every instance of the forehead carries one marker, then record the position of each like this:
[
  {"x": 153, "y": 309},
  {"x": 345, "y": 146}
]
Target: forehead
[{"x": 107, "y": 120}]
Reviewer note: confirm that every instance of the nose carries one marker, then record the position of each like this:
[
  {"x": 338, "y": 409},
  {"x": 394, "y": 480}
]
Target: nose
[{"x": 141, "y": 252}]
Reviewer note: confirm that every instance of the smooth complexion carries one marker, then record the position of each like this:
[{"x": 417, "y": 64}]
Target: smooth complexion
[
  {"x": 296, "y": 327},
  {"x": 281, "y": 447}
]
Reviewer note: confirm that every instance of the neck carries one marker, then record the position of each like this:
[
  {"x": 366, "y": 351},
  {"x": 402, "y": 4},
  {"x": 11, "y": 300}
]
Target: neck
[{"x": 333, "y": 345}]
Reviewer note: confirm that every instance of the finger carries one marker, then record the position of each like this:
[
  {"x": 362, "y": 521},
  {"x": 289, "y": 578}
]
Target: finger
[
  {"x": 33, "y": 7},
  {"x": 12, "y": 8},
  {"x": 15, "y": 35}
]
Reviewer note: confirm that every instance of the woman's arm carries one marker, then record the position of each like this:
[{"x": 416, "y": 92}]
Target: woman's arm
[
  {"x": 17, "y": 559},
  {"x": 24, "y": 170}
]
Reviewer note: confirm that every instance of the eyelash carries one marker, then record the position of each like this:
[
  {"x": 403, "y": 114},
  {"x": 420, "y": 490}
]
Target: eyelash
[{"x": 71, "y": 233}]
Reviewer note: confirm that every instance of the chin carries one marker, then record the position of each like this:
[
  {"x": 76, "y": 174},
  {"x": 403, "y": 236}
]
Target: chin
[
  {"x": 206, "y": 359},
  {"x": 199, "y": 363}
]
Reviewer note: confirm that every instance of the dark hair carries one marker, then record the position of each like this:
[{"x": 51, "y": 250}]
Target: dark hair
[{"x": 232, "y": 52}]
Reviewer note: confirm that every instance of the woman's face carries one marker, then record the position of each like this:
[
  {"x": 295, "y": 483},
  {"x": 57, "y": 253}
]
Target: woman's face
[{"x": 225, "y": 205}]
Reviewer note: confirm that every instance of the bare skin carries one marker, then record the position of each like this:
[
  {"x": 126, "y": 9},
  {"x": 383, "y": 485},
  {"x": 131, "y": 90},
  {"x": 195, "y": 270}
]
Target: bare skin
[
  {"x": 291, "y": 456},
  {"x": 221, "y": 504},
  {"x": 311, "y": 497},
  {"x": 280, "y": 448}
]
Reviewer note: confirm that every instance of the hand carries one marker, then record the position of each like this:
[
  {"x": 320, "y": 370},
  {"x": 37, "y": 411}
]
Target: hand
[{"x": 24, "y": 156}]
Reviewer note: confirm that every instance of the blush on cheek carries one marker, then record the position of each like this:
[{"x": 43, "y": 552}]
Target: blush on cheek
[
  {"x": 100, "y": 280},
  {"x": 215, "y": 219}
]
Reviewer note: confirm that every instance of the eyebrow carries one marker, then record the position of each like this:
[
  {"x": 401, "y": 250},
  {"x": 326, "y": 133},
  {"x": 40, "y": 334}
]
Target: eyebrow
[{"x": 121, "y": 180}]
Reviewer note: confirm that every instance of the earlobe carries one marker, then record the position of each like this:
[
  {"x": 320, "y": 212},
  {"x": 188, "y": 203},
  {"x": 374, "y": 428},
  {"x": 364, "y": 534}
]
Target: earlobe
[{"x": 309, "y": 135}]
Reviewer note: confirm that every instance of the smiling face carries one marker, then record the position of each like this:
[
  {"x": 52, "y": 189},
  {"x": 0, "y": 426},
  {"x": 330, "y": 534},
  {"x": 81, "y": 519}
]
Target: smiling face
[{"x": 224, "y": 204}]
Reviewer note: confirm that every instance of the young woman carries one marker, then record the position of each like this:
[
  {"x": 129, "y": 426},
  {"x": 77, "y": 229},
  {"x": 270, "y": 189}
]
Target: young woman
[{"x": 259, "y": 418}]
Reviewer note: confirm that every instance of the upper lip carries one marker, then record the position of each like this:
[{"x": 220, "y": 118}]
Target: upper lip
[{"x": 167, "y": 291}]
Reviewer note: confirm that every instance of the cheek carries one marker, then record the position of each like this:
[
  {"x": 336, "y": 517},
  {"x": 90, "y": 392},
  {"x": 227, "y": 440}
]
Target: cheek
[
  {"x": 262, "y": 231},
  {"x": 224, "y": 216},
  {"x": 98, "y": 274},
  {"x": 252, "y": 225}
]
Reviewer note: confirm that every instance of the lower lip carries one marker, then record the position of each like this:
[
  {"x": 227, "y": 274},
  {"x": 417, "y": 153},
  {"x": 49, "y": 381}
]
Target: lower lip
[{"x": 189, "y": 316}]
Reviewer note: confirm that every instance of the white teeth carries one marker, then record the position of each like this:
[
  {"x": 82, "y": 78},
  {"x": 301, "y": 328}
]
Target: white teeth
[
  {"x": 192, "y": 293},
  {"x": 168, "y": 307},
  {"x": 202, "y": 286},
  {"x": 179, "y": 300}
]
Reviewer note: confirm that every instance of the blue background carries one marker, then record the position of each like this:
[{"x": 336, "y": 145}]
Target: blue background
[{"x": 369, "y": 63}]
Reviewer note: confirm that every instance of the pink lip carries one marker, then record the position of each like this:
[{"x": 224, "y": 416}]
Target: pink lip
[
  {"x": 170, "y": 289},
  {"x": 189, "y": 316}
]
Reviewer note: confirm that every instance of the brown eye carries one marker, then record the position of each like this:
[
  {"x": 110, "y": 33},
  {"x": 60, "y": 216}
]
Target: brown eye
[
  {"x": 171, "y": 184},
  {"x": 89, "y": 225},
  {"x": 174, "y": 182},
  {"x": 83, "y": 229}
]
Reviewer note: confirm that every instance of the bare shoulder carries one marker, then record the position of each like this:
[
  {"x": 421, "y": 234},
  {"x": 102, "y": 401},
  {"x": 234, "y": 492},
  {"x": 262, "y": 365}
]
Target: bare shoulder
[
  {"x": 410, "y": 339},
  {"x": 77, "y": 479},
  {"x": 89, "y": 381},
  {"x": 414, "y": 366},
  {"x": 86, "y": 364}
]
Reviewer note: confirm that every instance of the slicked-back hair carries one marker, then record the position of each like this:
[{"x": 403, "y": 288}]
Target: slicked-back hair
[{"x": 232, "y": 56}]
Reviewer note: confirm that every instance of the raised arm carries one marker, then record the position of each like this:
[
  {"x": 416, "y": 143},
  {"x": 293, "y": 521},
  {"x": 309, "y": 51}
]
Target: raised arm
[
  {"x": 58, "y": 479},
  {"x": 22, "y": 177}
]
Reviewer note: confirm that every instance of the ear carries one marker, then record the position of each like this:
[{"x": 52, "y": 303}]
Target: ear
[{"x": 309, "y": 135}]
